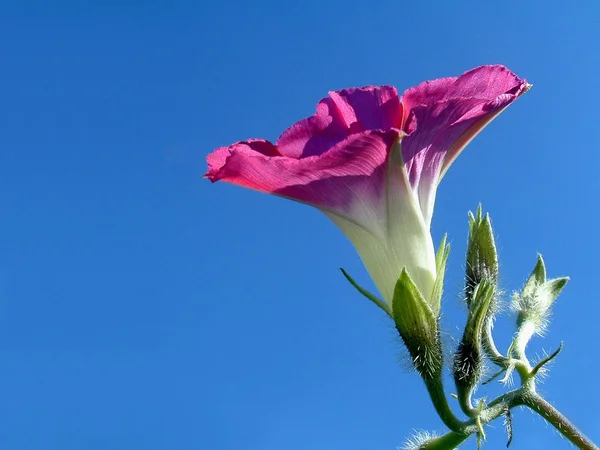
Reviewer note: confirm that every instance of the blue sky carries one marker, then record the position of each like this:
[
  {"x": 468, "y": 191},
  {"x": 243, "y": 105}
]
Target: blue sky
[{"x": 142, "y": 307}]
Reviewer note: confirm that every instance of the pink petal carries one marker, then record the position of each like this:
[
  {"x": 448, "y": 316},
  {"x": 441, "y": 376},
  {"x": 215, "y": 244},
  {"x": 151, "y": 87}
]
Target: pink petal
[
  {"x": 444, "y": 116},
  {"x": 342, "y": 114},
  {"x": 485, "y": 82},
  {"x": 350, "y": 172}
]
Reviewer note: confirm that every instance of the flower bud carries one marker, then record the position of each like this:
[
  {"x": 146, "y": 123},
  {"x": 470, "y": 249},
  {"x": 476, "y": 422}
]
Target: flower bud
[
  {"x": 482, "y": 257},
  {"x": 418, "y": 326},
  {"x": 468, "y": 359},
  {"x": 537, "y": 296}
]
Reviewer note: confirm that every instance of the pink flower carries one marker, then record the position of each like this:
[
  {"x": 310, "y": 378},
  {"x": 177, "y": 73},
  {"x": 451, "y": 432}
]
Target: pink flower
[{"x": 372, "y": 161}]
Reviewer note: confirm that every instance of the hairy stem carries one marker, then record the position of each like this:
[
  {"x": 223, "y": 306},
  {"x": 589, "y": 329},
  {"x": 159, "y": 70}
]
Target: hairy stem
[
  {"x": 500, "y": 405},
  {"x": 558, "y": 421}
]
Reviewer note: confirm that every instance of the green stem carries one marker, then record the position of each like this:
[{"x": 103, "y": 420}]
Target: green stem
[
  {"x": 526, "y": 395},
  {"x": 558, "y": 421},
  {"x": 490, "y": 346},
  {"x": 440, "y": 403},
  {"x": 465, "y": 400},
  {"x": 524, "y": 335},
  {"x": 511, "y": 400},
  {"x": 494, "y": 410}
]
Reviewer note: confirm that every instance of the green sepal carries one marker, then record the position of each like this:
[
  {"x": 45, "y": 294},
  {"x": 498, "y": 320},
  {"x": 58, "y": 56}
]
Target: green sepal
[
  {"x": 554, "y": 287},
  {"x": 537, "y": 277},
  {"x": 482, "y": 298},
  {"x": 383, "y": 305},
  {"x": 438, "y": 288},
  {"x": 417, "y": 325},
  {"x": 441, "y": 255}
]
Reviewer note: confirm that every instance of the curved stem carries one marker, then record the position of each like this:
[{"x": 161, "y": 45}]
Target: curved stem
[
  {"x": 465, "y": 400},
  {"x": 494, "y": 410},
  {"x": 526, "y": 395},
  {"x": 524, "y": 335},
  {"x": 490, "y": 346},
  {"x": 511, "y": 400},
  {"x": 440, "y": 403},
  {"x": 558, "y": 421}
]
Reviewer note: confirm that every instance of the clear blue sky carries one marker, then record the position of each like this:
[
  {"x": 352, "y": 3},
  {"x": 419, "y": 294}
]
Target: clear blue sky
[{"x": 142, "y": 307}]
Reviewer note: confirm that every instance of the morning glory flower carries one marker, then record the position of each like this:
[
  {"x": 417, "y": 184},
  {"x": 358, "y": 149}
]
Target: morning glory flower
[{"x": 371, "y": 161}]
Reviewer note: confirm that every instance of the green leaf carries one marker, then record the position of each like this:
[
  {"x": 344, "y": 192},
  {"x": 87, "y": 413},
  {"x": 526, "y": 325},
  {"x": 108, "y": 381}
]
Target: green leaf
[{"x": 367, "y": 294}]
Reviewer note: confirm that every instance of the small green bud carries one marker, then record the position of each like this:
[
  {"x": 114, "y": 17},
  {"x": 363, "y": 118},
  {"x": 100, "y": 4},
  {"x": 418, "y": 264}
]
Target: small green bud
[
  {"x": 537, "y": 296},
  {"x": 482, "y": 257},
  {"x": 418, "y": 326}
]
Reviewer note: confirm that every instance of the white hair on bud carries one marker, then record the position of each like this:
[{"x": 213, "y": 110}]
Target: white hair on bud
[{"x": 416, "y": 441}]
